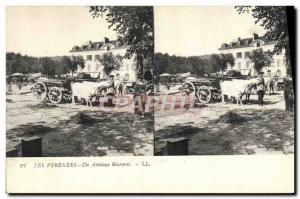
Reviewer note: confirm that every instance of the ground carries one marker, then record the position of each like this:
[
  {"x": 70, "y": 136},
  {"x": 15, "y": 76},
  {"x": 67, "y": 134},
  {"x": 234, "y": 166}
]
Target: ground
[
  {"x": 267, "y": 129},
  {"x": 76, "y": 130},
  {"x": 212, "y": 129}
]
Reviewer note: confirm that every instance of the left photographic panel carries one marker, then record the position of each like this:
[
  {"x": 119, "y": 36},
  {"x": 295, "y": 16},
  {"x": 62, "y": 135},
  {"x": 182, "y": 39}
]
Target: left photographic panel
[{"x": 78, "y": 80}]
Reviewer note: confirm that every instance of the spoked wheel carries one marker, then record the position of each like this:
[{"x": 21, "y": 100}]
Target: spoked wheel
[
  {"x": 188, "y": 91},
  {"x": 204, "y": 94},
  {"x": 39, "y": 91},
  {"x": 55, "y": 95}
]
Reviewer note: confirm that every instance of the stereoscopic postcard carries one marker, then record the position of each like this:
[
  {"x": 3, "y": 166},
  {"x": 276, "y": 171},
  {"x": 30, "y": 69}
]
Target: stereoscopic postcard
[{"x": 145, "y": 99}]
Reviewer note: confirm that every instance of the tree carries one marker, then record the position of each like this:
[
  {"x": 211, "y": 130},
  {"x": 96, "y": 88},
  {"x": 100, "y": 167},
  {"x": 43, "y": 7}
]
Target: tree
[
  {"x": 110, "y": 62},
  {"x": 260, "y": 59},
  {"x": 225, "y": 60},
  {"x": 274, "y": 20},
  {"x": 47, "y": 66},
  {"x": 71, "y": 63},
  {"x": 221, "y": 61},
  {"x": 135, "y": 28},
  {"x": 198, "y": 65},
  {"x": 161, "y": 61}
]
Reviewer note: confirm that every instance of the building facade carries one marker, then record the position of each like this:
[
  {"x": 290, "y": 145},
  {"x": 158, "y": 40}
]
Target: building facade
[
  {"x": 92, "y": 53},
  {"x": 240, "y": 48}
]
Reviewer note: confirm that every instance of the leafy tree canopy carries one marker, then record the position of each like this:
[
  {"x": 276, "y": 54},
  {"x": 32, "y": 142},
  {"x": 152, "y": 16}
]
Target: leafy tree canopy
[
  {"x": 260, "y": 59},
  {"x": 49, "y": 66},
  {"x": 110, "y": 62},
  {"x": 135, "y": 28},
  {"x": 274, "y": 20}
]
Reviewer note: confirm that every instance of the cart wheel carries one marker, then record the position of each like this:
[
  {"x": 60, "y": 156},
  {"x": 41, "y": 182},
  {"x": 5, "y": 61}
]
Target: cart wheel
[
  {"x": 188, "y": 90},
  {"x": 204, "y": 94},
  {"x": 55, "y": 95},
  {"x": 39, "y": 91}
]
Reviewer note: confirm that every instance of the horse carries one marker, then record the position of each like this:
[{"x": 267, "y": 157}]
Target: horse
[
  {"x": 119, "y": 88},
  {"x": 270, "y": 84}
]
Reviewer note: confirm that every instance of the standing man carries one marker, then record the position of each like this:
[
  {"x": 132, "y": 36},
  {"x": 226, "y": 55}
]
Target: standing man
[{"x": 261, "y": 88}]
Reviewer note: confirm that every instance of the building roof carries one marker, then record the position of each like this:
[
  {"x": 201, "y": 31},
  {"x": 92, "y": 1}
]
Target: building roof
[
  {"x": 246, "y": 42},
  {"x": 93, "y": 46}
]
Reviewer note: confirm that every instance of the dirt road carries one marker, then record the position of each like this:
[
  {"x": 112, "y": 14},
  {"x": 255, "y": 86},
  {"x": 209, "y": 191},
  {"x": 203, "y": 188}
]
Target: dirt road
[
  {"x": 63, "y": 134},
  {"x": 265, "y": 129}
]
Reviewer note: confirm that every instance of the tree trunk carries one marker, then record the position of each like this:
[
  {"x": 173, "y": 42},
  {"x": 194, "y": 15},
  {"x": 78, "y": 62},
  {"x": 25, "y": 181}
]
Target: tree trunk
[
  {"x": 140, "y": 65},
  {"x": 289, "y": 95}
]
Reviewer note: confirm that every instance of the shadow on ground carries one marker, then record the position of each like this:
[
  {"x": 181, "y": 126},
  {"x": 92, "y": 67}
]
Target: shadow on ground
[
  {"x": 90, "y": 134},
  {"x": 257, "y": 132}
]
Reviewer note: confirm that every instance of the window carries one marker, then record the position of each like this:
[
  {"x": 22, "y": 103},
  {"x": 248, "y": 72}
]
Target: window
[
  {"x": 278, "y": 73},
  {"x": 126, "y": 78},
  {"x": 248, "y": 64},
  {"x": 246, "y": 54},
  {"x": 88, "y": 67},
  {"x": 278, "y": 62},
  {"x": 257, "y": 44},
  {"x": 108, "y": 48},
  {"x": 97, "y": 57},
  {"x": 97, "y": 67},
  {"x": 239, "y": 64},
  {"x": 239, "y": 55},
  {"x": 89, "y": 57}
]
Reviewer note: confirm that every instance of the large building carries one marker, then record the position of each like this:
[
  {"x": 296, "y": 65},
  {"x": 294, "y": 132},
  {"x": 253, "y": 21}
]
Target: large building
[
  {"x": 92, "y": 53},
  {"x": 240, "y": 48}
]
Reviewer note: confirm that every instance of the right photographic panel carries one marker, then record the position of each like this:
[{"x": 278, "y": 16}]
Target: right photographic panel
[{"x": 223, "y": 80}]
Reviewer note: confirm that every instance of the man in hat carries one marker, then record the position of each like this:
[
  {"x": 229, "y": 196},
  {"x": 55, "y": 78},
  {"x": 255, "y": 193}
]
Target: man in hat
[
  {"x": 261, "y": 88},
  {"x": 111, "y": 81}
]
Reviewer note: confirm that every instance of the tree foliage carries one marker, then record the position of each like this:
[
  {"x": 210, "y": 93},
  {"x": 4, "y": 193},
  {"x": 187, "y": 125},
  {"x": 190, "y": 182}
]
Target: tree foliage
[
  {"x": 135, "y": 28},
  {"x": 274, "y": 20},
  {"x": 110, "y": 62},
  {"x": 48, "y": 66},
  {"x": 219, "y": 62},
  {"x": 260, "y": 59},
  {"x": 70, "y": 64},
  {"x": 197, "y": 65}
]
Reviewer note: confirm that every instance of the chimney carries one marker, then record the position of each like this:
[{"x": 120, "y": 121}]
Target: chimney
[
  {"x": 224, "y": 45},
  {"x": 255, "y": 36},
  {"x": 239, "y": 41},
  {"x": 106, "y": 40}
]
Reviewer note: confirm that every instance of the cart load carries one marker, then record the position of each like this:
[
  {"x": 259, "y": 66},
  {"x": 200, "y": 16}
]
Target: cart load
[{"x": 203, "y": 90}]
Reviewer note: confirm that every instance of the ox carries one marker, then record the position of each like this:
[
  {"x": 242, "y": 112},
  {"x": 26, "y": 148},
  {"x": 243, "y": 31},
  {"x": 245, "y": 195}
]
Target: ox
[
  {"x": 87, "y": 90},
  {"x": 237, "y": 89}
]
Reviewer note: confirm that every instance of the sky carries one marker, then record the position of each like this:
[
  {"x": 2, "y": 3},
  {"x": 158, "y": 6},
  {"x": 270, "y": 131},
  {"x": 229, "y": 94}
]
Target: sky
[
  {"x": 52, "y": 31},
  {"x": 188, "y": 31},
  {"x": 185, "y": 31}
]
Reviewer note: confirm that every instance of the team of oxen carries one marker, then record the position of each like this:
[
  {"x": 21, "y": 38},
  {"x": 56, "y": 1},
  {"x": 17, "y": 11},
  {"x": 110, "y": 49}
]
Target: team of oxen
[
  {"x": 92, "y": 91},
  {"x": 236, "y": 88},
  {"x": 239, "y": 88}
]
